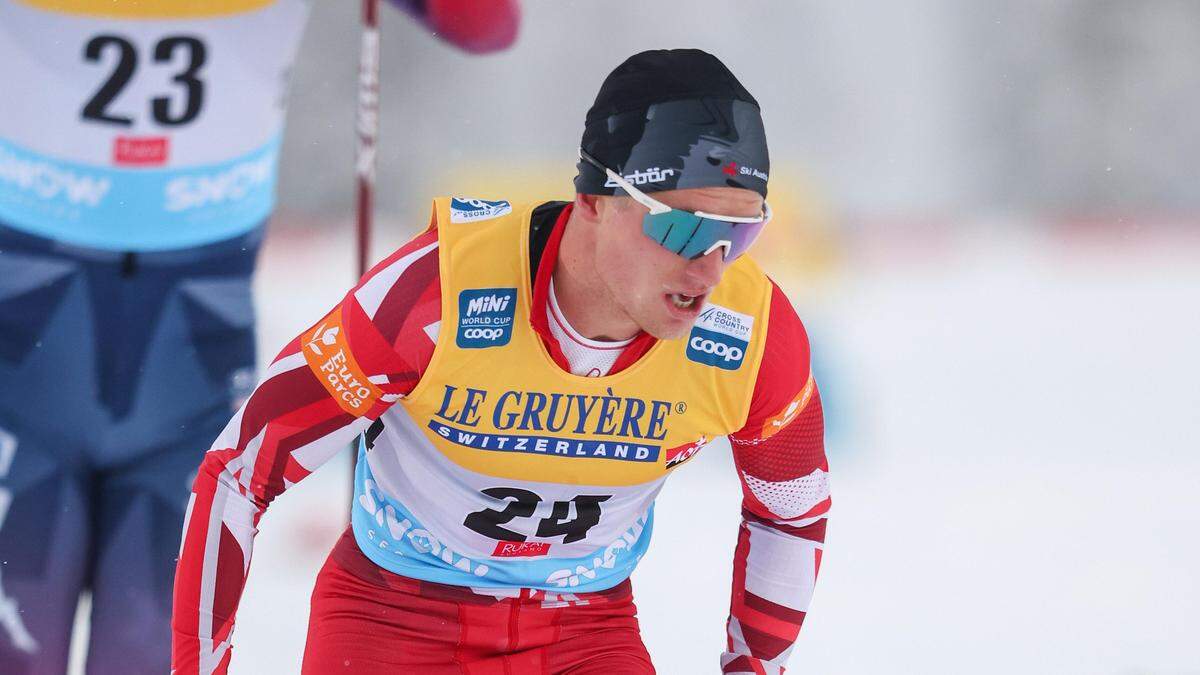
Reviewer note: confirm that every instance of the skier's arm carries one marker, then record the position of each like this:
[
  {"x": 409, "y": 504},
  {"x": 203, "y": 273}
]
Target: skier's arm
[
  {"x": 780, "y": 458},
  {"x": 323, "y": 389}
]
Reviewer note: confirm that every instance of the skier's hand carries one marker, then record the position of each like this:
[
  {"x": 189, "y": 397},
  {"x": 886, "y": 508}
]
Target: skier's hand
[{"x": 471, "y": 25}]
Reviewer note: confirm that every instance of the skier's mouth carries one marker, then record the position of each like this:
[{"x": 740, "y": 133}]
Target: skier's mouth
[{"x": 683, "y": 304}]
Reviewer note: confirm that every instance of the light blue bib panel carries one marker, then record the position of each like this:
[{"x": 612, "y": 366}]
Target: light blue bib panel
[{"x": 142, "y": 125}]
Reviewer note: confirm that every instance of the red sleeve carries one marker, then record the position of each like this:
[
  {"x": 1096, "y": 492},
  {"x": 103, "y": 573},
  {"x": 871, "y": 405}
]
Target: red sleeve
[
  {"x": 321, "y": 391},
  {"x": 780, "y": 458}
]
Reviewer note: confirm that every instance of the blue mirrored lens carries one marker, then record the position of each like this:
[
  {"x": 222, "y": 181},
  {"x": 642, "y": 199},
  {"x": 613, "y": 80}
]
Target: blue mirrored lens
[
  {"x": 708, "y": 232},
  {"x": 691, "y": 236},
  {"x": 673, "y": 230}
]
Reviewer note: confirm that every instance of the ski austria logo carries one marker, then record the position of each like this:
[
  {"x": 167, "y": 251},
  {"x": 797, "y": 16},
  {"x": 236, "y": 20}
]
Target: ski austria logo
[
  {"x": 485, "y": 317},
  {"x": 463, "y": 210},
  {"x": 720, "y": 338}
]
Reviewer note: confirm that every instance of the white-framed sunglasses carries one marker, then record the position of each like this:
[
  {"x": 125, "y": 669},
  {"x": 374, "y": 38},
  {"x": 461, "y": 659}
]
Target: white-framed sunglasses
[{"x": 691, "y": 234}]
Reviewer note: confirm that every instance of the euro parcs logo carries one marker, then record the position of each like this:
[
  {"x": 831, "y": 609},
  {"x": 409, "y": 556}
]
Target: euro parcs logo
[
  {"x": 485, "y": 317},
  {"x": 720, "y": 338}
]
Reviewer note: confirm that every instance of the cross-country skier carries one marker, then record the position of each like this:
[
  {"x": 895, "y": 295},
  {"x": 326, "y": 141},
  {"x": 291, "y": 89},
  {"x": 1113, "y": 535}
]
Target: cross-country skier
[
  {"x": 526, "y": 376},
  {"x": 138, "y": 152}
]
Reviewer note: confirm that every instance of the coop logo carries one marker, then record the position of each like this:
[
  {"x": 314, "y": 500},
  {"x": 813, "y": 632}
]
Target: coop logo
[
  {"x": 716, "y": 347},
  {"x": 647, "y": 177},
  {"x": 485, "y": 317},
  {"x": 720, "y": 338},
  {"x": 463, "y": 210},
  {"x": 486, "y": 334}
]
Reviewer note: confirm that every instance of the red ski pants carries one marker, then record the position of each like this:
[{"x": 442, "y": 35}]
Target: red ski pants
[{"x": 366, "y": 620}]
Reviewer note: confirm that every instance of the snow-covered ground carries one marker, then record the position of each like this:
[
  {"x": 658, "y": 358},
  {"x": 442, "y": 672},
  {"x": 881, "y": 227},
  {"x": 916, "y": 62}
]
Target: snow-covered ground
[{"x": 1015, "y": 448}]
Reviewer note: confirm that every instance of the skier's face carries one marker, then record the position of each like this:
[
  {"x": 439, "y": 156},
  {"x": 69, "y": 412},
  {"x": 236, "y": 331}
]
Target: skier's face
[{"x": 661, "y": 291}]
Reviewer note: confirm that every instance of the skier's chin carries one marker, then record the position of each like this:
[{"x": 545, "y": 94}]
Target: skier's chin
[{"x": 664, "y": 326}]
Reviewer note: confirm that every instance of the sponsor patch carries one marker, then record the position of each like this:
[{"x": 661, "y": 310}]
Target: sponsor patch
[
  {"x": 647, "y": 177},
  {"x": 532, "y": 444},
  {"x": 238, "y": 182},
  {"x": 485, "y": 317},
  {"x": 720, "y": 338},
  {"x": 735, "y": 169},
  {"x": 140, "y": 151},
  {"x": 154, "y": 9},
  {"x": 789, "y": 413},
  {"x": 677, "y": 456},
  {"x": 521, "y": 549},
  {"x": 463, "y": 210},
  {"x": 328, "y": 355},
  {"x": 610, "y": 427}
]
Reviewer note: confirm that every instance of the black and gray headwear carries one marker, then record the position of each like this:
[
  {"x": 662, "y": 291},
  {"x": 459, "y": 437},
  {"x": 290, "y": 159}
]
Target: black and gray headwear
[{"x": 671, "y": 119}]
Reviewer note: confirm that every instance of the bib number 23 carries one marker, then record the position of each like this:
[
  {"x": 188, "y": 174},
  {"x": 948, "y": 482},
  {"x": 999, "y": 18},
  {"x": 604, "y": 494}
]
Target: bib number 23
[
  {"x": 165, "y": 110},
  {"x": 523, "y": 504}
]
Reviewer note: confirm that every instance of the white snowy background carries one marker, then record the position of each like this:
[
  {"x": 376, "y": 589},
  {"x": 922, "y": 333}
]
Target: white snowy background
[{"x": 989, "y": 225}]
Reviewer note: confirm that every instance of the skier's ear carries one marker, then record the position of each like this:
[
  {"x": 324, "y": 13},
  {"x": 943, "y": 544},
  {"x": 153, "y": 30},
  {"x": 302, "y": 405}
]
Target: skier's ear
[{"x": 587, "y": 207}]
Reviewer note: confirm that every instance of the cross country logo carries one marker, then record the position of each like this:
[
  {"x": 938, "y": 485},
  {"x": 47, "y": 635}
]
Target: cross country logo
[{"x": 463, "y": 210}]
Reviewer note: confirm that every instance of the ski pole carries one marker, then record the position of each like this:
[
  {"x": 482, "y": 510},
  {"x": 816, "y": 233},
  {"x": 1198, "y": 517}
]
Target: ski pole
[{"x": 367, "y": 129}]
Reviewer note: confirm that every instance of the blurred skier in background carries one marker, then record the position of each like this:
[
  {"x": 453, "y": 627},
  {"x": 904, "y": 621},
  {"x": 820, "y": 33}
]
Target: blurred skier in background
[{"x": 139, "y": 144}]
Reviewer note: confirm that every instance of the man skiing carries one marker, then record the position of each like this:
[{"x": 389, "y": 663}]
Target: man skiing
[
  {"x": 525, "y": 377},
  {"x": 138, "y": 152}
]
